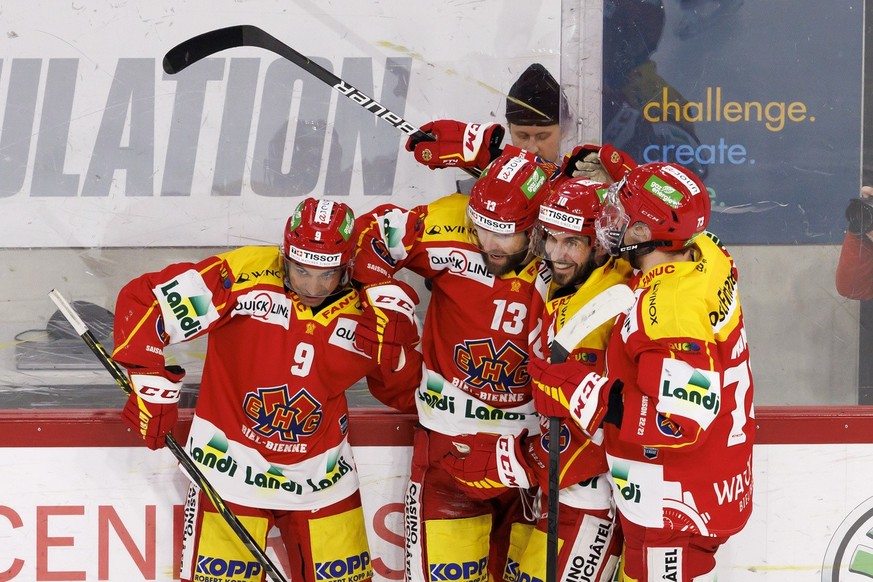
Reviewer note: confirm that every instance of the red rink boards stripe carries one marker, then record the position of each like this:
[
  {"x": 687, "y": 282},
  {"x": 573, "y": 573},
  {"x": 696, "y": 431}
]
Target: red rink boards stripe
[{"x": 381, "y": 427}]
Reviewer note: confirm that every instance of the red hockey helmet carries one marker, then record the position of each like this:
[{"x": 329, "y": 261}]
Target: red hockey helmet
[
  {"x": 668, "y": 198},
  {"x": 506, "y": 198},
  {"x": 572, "y": 209},
  {"x": 319, "y": 234}
]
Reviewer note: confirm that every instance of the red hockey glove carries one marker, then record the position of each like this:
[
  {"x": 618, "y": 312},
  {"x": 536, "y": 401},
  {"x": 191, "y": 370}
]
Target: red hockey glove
[
  {"x": 580, "y": 459},
  {"x": 388, "y": 327},
  {"x": 457, "y": 144},
  {"x": 485, "y": 465},
  {"x": 569, "y": 390},
  {"x": 152, "y": 407},
  {"x": 603, "y": 164}
]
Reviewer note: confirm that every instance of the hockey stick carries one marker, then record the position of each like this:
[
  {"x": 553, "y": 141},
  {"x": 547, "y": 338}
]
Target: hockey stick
[
  {"x": 600, "y": 309},
  {"x": 120, "y": 377},
  {"x": 207, "y": 44}
]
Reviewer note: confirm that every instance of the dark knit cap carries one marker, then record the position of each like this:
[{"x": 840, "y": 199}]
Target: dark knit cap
[{"x": 534, "y": 99}]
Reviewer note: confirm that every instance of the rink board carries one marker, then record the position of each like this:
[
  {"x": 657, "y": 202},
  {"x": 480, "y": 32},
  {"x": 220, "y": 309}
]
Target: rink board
[{"x": 81, "y": 499}]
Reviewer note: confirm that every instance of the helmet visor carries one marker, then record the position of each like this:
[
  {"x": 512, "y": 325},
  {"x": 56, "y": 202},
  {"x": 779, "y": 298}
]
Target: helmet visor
[
  {"x": 613, "y": 221},
  {"x": 314, "y": 284},
  {"x": 559, "y": 246}
]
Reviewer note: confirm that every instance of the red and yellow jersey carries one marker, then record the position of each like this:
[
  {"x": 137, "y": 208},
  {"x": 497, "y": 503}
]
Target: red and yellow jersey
[
  {"x": 476, "y": 330},
  {"x": 271, "y": 420},
  {"x": 683, "y": 456},
  {"x": 581, "y": 459}
]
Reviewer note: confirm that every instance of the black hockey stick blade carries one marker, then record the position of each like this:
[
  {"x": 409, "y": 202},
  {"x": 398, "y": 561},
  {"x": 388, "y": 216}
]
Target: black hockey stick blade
[
  {"x": 201, "y": 46},
  {"x": 204, "y": 45},
  {"x": 601, "y": 308},
  {"x": 173, "y": 445}
]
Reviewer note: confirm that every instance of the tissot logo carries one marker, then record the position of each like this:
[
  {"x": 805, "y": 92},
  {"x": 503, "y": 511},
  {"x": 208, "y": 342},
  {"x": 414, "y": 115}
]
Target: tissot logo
[
  {"x": 561, "y": 219},
  {"x": 490, "y": 224}
]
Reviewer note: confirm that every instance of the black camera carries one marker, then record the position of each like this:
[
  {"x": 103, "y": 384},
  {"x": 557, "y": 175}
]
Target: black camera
[{"x": 860, "y": 215}]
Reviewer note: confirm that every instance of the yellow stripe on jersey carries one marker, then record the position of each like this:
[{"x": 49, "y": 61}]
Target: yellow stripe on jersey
[
  {"x": 446, "y": 220},
  {"x": 691, "y": 299},
  {"x": 253, "y": 265}
]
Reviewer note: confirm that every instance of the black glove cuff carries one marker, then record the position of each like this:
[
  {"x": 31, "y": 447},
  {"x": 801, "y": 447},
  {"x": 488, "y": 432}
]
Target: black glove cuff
[
  {"x": 494, "y": 149},
  {"x": 859, "y": 213}
]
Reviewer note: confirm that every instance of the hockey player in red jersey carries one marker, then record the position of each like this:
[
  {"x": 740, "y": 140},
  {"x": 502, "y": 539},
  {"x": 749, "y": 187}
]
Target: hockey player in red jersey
[
  {"x": 590, "y": 541},
  {"x": 475, "y": 251},
  {"x": 270, "y": 429},
  {"x": 680, "y": 430},
  {"x": 589, "y": 548}
]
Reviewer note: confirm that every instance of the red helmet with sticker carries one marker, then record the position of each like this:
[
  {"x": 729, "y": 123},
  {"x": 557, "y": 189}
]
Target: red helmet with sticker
[
  {"x": 507, "y": 197},
  {"x": 668, "y": 198},
  {"x": 319, "y": 234},
  {"x": 572, "y": 209}
]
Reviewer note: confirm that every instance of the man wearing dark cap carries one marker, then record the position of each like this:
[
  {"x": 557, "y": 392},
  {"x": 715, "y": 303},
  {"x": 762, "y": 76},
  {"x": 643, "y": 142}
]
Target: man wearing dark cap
[
  {"x": 535, "y": 107},
  {"x": 533, "y": 112}
]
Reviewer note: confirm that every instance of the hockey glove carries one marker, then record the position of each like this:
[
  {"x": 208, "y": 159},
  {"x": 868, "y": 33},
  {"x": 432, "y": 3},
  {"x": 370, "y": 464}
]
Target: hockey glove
[
  {"x": 569, "y": 390},
  {"x": 859, "y": 213},
  {"x": 388, "y": 326},
  {"x": 152, "y": 407},
  {"x": 457, "y": 144},
  {"x": 602, "y": 164},
  {"x": 486, "y": 465}
]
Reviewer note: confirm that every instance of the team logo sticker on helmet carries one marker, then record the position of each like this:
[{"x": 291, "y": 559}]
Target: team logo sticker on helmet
[
  {"x": 666, "y": 193},
  {"x": 684, "y": 178},
  {"x": 534, "y": 183},
  {"x": 510, "y": 168}
]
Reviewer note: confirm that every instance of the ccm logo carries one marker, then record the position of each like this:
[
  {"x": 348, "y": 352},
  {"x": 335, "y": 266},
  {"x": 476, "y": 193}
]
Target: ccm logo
[
  {"x": 166, "y": 393},
  {"x": 394, "y": 303},
  {"x": 504, "y": 460}
]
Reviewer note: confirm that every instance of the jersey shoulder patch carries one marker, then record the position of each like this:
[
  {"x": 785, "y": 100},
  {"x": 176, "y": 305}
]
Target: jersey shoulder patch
[
  {"x": 254, "y": 265},
  {"x": 446, "y": 219}
]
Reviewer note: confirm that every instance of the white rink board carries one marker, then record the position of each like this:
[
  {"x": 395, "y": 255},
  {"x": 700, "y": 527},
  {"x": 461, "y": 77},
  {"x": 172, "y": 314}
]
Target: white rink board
[{"x": 57, "y": 502}]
